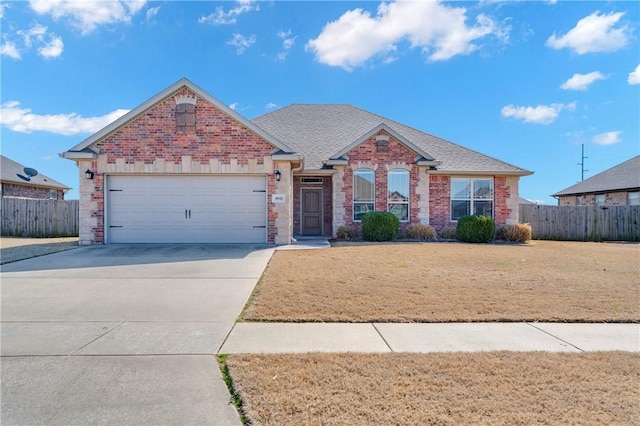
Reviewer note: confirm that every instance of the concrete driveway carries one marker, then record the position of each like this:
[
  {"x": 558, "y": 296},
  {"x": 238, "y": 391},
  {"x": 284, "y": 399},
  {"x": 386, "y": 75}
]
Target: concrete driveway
[{"x": 122, "y": 334}]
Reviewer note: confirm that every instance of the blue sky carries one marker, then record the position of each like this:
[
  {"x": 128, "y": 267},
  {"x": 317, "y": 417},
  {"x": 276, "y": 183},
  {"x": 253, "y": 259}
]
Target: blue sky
[{"x": 527, "y": 82}]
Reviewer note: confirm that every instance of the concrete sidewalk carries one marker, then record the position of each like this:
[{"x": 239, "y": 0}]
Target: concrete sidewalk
[{"x": 247, "y": 337}]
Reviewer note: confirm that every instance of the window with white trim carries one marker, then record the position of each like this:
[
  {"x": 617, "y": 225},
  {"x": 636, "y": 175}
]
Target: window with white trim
[
  {"x": 364, "y": 190},
  {"x": 471, "y": 196},
  {"x": 600, "y": 199},
  {"x": 633, "y": 198},
  {"x": 398, "y": 194},
  {"x": 53, "y": 194}
]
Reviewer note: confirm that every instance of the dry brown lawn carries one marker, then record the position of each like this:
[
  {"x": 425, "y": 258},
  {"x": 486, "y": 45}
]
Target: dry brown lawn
[
  {"x": 441, "y": 282},
  {"x": 445, "y": 389}
]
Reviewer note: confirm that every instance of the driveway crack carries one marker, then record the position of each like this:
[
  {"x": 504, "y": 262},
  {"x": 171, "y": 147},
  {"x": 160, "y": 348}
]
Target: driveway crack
[{"x": 98, "y": 337}]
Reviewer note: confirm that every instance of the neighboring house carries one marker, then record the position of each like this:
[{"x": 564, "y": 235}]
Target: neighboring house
[
  {"x": 15, "y": 182},
  {"x": 617, "y": 186},
  {"x": 184, "y": 167}
]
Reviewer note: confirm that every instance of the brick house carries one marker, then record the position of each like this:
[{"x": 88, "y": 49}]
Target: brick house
[
  {"x": 184, "y": 167},
  {"x": 15, "y": 182},
  {"x": 617, "y": 186}
]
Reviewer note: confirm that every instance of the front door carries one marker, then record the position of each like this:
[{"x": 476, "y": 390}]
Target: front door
[{"x": 311, "y": 211}]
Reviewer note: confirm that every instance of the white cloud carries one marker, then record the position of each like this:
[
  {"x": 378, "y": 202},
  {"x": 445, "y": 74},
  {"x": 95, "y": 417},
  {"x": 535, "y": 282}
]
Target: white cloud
[
  {"x": 3, "y": 6},
  {"x": 87, "y": 15},
  {"x": 287, "y": 43},
  {"x": 634, "y": 76},
  {"x": 8, "y": 48},
  {"x": 24, "y": 121},
  {"x": 220, "y": 17},
  {"x": 440, "y": 31},
  {"x": 541, "y": 114},
  {"x": 271, "y": 105},
  {"x": 241, "y": 42},
  {"x": 582, "y": 81},
  {"x": 52, "y": 49},
  {"x": 152, "y": 12},
  {"x": 607, "y": 138},
  {"x": 234, "y": 106},
  {"x": 594, "y": 33},
  {"x": 47, "y": 44}
]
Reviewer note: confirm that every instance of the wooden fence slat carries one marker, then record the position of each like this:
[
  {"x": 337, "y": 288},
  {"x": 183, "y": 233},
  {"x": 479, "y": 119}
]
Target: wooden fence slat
[
  {"x": 23, "y": 217},
  {"x": 582, "y": 223}
]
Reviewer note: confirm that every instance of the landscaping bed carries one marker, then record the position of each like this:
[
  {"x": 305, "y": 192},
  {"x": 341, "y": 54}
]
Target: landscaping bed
[{"x": 547, "y": 281}]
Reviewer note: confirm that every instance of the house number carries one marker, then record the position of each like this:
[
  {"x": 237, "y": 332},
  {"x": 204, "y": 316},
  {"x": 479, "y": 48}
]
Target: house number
[{"x": 277, "y": 198}]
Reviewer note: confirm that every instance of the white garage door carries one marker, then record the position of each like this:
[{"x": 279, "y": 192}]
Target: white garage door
[{"x": 186, "y": 209}]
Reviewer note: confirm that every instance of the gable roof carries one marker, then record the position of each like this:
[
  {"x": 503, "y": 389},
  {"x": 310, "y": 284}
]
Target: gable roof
[
  {"x": 391, "y": 132},
  {"x": 625, "y": 175},
  {"x": 319, "y": 132},
  {"x": 10, "y": 169},
  {"x": 81, "y": 149}
]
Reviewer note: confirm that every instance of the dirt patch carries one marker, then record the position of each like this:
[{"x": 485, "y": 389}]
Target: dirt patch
[
  {"x": 417, "y": 389},
  {"x": 14, "y": 249},
  {"x": 441, "y": 282}
]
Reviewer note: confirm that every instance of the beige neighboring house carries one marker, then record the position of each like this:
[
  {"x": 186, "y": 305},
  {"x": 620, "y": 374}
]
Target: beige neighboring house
[
  {"x": 16, "y": 182},
  {"x": 617, "y": 186}
]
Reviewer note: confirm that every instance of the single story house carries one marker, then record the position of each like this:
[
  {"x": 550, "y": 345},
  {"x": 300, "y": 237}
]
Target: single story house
[
  {"x": 617, "y": 186},
  {"x": 19, "y": 181},
  {"x": 184, "y": 167}
]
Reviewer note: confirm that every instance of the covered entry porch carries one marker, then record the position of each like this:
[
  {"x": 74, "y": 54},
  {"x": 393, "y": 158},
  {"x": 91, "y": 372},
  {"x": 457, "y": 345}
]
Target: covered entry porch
[{"x": 312, "y": 205}]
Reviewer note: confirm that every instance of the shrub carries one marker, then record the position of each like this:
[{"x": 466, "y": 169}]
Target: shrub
[
  {"x": 348, "y": 233},
  {"x": 418, "y": 231},
  {"x": 448, "y": 233},
  {"x": 380, "y": 226},
  {"x": 519, "y": 233},
  {"x": 475, "y": 229}
]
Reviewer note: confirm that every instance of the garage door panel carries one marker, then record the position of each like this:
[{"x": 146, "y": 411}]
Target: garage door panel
[{"x": 214, "y": 209}]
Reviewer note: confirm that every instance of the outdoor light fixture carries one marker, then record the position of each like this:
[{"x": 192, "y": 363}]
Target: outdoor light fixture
[
  {"x": 278, "y": 175},
  {"x": 88, "y": 174}
]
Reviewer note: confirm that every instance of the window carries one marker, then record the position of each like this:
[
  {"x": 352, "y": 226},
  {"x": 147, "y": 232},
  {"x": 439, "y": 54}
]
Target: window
[
  {"x": 578, "y": 200},
  {"x": 53, "y": 194},
  {"x": 398, "y": 194},
  {"x": 363, "y": 193},
  {"x": 185, "y": 118},
  {"x": 633, "y": 198},
  {"x": 471, "y": 196},
  {"x": 599, "y": 199}
]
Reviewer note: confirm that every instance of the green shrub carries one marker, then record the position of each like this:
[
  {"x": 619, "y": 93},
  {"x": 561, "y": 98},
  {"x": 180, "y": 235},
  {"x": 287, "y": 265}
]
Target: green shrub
[
  {"x": 518, "y": 233},
  {"x": 380, "y": 226},
  {"x": 448, "y": 233},
  {"x": 348, "y": 233},
  {"x": 418, "y": 231},
  {"x": 475, "y": 229}
]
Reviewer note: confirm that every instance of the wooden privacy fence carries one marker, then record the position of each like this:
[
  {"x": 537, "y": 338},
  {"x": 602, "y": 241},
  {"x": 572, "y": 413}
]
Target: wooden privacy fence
[
  {"x": 582, "y": 223},
  {"x": 23, "y": 217}
]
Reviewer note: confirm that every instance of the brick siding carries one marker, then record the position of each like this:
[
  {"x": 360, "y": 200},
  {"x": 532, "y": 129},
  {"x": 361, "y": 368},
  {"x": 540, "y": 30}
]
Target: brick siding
[
  {"x": 152, "y": 139},
  {"x": 26, "y": 191},
  {"x": 396, "y": 156}
]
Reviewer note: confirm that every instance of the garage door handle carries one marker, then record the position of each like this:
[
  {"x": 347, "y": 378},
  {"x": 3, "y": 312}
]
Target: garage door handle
[
  {"x": 189, "y": 214},
  {"x": 185, "y": 213},
  {"x": 263, "y": 227}
]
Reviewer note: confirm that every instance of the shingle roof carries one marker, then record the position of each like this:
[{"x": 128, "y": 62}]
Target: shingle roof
[
  {"x": 625, "y": 175},
  {"x": 10, "y": 170},
  {"x": 320, "y": 131}
]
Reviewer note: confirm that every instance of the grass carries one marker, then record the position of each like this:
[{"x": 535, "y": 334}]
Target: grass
[
  {"x": 452, "y": 282},
  {"x": 543, "y": 280},
  {"x": 416, "y": 389}
]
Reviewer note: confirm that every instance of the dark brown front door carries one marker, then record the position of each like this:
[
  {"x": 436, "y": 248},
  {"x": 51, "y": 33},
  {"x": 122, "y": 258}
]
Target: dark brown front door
[{"x": 311, "y": 211}]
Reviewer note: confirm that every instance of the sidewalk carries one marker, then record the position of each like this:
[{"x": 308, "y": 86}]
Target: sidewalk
[{"x": 248, "y": 337}]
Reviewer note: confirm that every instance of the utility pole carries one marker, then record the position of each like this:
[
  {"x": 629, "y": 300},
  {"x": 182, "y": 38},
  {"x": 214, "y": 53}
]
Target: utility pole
[{"x": 581, "y": 163}]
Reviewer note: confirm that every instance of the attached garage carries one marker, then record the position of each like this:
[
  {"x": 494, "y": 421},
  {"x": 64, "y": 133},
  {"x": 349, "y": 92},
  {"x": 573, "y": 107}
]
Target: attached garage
[{"x": 186, "y": 209}]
